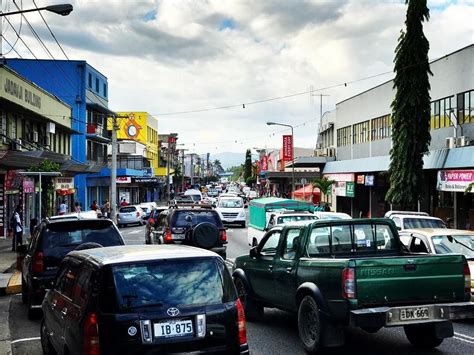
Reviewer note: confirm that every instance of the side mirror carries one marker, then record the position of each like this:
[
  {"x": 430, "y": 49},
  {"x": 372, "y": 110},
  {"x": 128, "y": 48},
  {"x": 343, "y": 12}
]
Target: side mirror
[
  {"x": 22, "y": 249},
  {"x": 399, "y": 228},
  {"x": 246, "y": 206},
  {"x": 253, "y": 252}
]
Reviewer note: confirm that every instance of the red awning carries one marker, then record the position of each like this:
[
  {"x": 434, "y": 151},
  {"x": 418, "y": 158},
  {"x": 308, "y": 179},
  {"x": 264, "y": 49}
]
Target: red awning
[{"x": 306, "y": 191}]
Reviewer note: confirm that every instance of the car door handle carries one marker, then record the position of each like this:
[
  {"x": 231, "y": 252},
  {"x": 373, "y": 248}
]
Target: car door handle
[
  {"x": 53, "y": 304},
  {"x": 64, "y": 311},
  {"x": 288, "y": 270}
]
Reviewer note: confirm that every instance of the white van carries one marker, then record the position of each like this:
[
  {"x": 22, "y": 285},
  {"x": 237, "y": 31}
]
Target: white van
[
  {"x": 196, "y": 195},
  {"x": 231, "y": 210}
]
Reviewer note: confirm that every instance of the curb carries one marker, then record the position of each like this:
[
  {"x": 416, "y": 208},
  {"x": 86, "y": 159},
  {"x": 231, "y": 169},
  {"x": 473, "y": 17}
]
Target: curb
[{"x": 14, "y": 285}]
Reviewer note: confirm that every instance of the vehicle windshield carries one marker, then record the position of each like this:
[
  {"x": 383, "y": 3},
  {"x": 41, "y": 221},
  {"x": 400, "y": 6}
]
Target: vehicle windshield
[
  {"x": 127, "y": 209},
  {"x": 442, "y": 245},
  {"x": 195, "y": 198},
  {"x": 231, "y": 203},
  {"x": 417, "y": 222},
  {"x": 333, "y": 216},
  {"x": 172, "y": 282},
  {"x": 286, "y": 219},
  {"x": 198, "y": 216}
]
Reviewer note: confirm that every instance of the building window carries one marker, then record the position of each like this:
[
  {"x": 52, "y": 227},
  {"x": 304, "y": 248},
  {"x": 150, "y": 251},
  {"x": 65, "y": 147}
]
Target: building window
[
  {"x": 360, "y": 132},
  {"x": 440, "y": 111},
  {"x": 105, "y": 90},
  {"x": 381, "y": 127},
  {"x": 90, "y": 81},
  {"x": 97, "y": 85},
  {"x": 343, "y": 136},
  {"x": 3, "y": 126},
  {"x": 465, "y": 107}
]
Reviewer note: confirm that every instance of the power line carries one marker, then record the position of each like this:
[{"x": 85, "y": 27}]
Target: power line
[{"x": 12, "y": 47}]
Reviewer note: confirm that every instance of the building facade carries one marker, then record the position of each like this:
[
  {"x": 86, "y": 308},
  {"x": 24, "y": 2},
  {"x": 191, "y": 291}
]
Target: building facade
[{"x": 359, "y": 132}]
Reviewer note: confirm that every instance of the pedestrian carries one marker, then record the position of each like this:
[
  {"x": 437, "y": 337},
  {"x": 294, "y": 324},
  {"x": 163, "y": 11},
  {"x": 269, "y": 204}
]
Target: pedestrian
[
  {"x": 77, "y": 207},
  {"x": 62, "y": 208},
  {"x": 107, "y": 209},
  {"x": 17, "y": 228},
  {"x": 94, "y": 206},
  {"x": 123, "y": 202}
]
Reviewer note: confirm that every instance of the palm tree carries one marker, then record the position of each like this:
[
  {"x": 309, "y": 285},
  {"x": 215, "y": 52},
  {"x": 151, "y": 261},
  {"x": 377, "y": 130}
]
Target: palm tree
[{"x": 324, "y": 185}]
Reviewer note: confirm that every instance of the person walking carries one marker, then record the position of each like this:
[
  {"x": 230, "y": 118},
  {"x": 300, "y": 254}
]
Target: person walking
[
  {"x": 15, "y": 225},
  {"x": 62, "y": 208},
  {"x": 94, "y": 206},
  {"x": 77, "y": 207},
  {"x": 107, "y": 209}
]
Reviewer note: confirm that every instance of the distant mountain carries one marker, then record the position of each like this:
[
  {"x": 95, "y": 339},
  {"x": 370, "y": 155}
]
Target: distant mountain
[{"x": 229, "y": 159}]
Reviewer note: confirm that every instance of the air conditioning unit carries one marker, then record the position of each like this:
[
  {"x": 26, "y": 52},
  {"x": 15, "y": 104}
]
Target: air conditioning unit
[
  {"x": 17, "y": 145},
  {"x": 34, "y": 136},
  {"x": 450, "y": 142},
  {"x": 47, "y": 140},
  {"x": 462, "y": 141}
]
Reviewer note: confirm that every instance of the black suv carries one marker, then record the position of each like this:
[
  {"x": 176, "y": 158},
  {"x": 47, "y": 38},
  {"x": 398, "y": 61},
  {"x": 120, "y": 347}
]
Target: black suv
[
  {"x": 50, "y": 243},
  {"x": 143, "y": 300},
  {"x": 196, "y": 225}
]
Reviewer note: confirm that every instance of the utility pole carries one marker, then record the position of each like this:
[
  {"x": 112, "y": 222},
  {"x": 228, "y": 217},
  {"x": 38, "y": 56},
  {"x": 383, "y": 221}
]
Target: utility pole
[
  {"x": 320, "y": 111},
  {"x": 113, "y": 172}
]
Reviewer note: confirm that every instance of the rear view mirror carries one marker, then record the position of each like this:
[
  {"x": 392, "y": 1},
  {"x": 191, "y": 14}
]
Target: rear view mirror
[
  {"x": 450, "y": 238},
  {"x": 253, "y": 252}
]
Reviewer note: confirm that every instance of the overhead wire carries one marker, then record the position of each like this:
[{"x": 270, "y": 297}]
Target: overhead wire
[{"x": 12, "y": 47}]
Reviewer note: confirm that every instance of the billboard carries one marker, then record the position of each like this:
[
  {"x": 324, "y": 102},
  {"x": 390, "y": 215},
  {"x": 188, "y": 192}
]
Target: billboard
[
  {"x": 264, "y": 163},
  {"x": 287, "y": 148},
  {"x": 454, "y": 180}
]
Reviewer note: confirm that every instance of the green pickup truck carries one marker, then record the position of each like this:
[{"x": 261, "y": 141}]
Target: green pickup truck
[{"x": 337, "y": 273}]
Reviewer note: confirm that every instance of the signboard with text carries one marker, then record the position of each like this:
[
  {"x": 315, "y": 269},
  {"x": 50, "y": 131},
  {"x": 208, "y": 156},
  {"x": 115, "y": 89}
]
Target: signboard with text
[
  {"x": 123, "y": 180},
  {"x": 264, "y": 163},
  {"x": 350, "y": 189},
  {"x": 64, "y": 183},
  {"x": 287, "y": 148},
  {"x": 369, "y": 180},
  {"x": 454, "y": 180}
]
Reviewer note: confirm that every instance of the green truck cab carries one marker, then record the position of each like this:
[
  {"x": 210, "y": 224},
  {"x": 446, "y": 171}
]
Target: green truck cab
[{"x": 337, "y": 273}]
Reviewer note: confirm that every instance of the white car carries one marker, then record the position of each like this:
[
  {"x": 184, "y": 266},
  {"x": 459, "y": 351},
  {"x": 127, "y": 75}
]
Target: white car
[
  {"x": 130, "y": 215},
  {"x": 331, "y": 215},
  {"x": 231, "y": 210},
  {"x": 411, "y": 220},
  {"x": 196, "y": 195}
]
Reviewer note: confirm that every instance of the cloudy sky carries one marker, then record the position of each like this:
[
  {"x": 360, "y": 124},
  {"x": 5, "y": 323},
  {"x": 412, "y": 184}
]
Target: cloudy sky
[{"x": 182, "y": 55}]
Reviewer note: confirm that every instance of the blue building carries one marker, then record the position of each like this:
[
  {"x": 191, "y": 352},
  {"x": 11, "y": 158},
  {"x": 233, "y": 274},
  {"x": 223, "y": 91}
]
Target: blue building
[{"x": 86, "y": 90}]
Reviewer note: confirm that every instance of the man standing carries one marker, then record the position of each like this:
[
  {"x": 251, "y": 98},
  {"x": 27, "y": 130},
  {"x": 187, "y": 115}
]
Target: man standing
[
  {"x": 107, "y": 209},
  {"x": 62, "y": 208},
  {"x": 17, "y": 228}
]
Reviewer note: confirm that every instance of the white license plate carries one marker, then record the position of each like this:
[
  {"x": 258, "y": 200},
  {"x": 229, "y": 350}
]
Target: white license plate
[
  {"x": 171, "y": 329},
  {"x": 414, "y": 313},
  {"x": 178, "y": 236}
]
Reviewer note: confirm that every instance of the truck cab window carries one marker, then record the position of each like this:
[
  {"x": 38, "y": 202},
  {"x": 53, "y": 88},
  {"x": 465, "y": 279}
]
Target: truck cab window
[
  {"x": 291, "y": 243},
  {"x": 319, "y": 242},
  {"x": 270, "y": 245}
]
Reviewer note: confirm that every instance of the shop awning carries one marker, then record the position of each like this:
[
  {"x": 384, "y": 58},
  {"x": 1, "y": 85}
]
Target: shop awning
[
  {"x": 13, "y": 159},
  {"x": 306, "y": 191},
  {"x": 363, "y": 165},
  {"x": 462, "y": 157}
]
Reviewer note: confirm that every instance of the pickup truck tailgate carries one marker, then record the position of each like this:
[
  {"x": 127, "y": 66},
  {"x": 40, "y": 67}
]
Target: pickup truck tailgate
[{"x": 409, "y": 279}]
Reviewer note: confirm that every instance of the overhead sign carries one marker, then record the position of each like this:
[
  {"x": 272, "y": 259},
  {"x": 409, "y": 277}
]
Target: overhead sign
[
  {"x": 63, "y": 183},
  {"x": 454, "y": 180},
  {"x": 123, "y": 180},
  {"x": 340, "y": 177},
  {"x": 145, "y": 180},
  {"x": 287, "y": 148}
]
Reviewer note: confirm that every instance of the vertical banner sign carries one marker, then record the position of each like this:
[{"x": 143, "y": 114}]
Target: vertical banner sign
[
  {"x": 264, "y": 163},
  {"x": 287, "y": 148},
  {"x": 350, "y": 189}
]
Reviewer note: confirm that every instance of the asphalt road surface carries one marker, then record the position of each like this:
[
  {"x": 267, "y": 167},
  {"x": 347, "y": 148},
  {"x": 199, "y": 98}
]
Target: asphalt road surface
[{"x": 277, "y": 333}]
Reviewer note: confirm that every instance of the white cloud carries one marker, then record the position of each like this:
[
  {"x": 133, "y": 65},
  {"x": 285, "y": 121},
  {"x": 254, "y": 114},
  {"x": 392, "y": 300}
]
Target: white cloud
[{"x": 198, "y": 54}]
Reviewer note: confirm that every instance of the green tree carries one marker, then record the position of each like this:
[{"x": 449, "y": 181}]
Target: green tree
[
  {"x": 236, "y": 172},
  {"x": 251, "y": 180},
  {"x": 410, "y": 110},
  {"x": 324, "y": 185},
  {"x": 218, "y": 169},
  {"x": 248, "y": 165}
]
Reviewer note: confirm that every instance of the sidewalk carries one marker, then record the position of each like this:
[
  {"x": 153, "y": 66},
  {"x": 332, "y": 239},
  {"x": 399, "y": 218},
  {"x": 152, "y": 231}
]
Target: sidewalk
[{"x": 10, "y": 278}]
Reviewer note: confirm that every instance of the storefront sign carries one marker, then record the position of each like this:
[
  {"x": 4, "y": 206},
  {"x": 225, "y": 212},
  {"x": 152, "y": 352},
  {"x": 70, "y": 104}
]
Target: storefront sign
[
  {"x": 123, "y": 180},
  {"x": 64, "y": 183},
  {"x": 360, "y": 179},
  {"x": 350, "y": 189},
  {"x": 12, "y": 182},
  {"x": 28, "y": 186},
  {"x": 145, "y": 180},
  {"x": 369, "y": 180},
  {"x": 287, "y": 148},
  {"x": 264, "y": 163},
  {"x": 340, "y": 177},
  {"x": 148, "y": 172},
  {"x": 454, "y": 180}
]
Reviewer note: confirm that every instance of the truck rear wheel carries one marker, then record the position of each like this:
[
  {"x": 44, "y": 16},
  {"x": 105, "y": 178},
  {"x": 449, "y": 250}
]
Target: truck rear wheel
[
  {"x": 253, "y": 310},
  {"x": 309, "y": 324},
  {"x": 422, "y": 335}
]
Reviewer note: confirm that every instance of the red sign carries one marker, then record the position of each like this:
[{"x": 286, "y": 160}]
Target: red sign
[
  {"x": 287, "y": 148},
  {"x": 264, "y": 163},
  {"x": 360, "y": 179},
  {"x": 28, "y": 186},
  {"x": 172, "y": 139}
]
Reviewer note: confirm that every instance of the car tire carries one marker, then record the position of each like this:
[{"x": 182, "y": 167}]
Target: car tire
[
  {"x": 46, "y": 345},
  {"x": 253, "y": 310},
  {"x": 309, "y": 324},
  {"x": 422, "y": 335},
  {"x": 24, "y": 291}
]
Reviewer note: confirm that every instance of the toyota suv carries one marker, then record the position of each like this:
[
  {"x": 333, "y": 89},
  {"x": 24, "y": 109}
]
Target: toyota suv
[
  {"x": 50, "y": 243},
  {"x": 143, "y": 300}
]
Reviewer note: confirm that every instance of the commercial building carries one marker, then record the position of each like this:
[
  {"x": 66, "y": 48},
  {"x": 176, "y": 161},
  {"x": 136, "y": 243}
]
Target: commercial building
[
  {"x": 359, "y": 133},
  {"x": 85, "y": 90}
]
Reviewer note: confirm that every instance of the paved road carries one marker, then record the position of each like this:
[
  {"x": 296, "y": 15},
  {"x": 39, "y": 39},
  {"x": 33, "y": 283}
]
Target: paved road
[{"x": 276, "y": 334}]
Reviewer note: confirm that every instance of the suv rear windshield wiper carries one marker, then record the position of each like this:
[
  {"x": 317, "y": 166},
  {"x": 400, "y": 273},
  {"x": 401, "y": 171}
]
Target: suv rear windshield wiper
[{"x": 129, "y": 299}]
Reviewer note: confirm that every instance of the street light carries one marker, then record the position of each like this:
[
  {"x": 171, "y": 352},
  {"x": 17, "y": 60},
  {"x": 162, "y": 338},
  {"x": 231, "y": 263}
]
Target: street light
[
  {"x": 61, "y": 9},
  {"x": 292, "y": 151}
]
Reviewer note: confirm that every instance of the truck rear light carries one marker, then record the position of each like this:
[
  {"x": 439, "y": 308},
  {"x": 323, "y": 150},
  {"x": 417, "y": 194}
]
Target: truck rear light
[
  {"x": 348, "y": 283},
  {"x": 168, "y": 237},
  {"x": 37, "y": 265},
  {"x": 467, "y": 278},
  {"x": 241, "y": 323},
  {"x": 91, "y": 335},
  {"x": 223, "y": 235}
]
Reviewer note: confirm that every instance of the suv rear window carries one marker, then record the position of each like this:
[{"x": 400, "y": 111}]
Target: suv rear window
[
  {"x": 199, "y": 216},
  {"x": 71, "y": 234},
  {"x": 286, "y": 219},
  {"x": 127, "y": 209},
  {"x": 171, "y": 282},
  {"x": 411, "y": 223}
]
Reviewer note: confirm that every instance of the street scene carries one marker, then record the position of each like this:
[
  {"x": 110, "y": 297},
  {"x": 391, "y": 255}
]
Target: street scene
[{"x": 235, "y": 177}]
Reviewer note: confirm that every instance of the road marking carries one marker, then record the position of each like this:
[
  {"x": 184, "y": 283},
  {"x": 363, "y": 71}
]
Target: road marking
[
  {"x": 25, "y": 339},
  {"x": 464, "y": 336},
  {"x": 464, "y": 340},
  {"x": 135, "y": 232}
]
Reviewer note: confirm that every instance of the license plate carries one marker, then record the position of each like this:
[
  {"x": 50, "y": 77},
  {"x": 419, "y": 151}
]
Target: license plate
[
  {"x": 178, "y": 236},
  {"x": 414, "y": 313},
  {"x": 171, "y": 329}
]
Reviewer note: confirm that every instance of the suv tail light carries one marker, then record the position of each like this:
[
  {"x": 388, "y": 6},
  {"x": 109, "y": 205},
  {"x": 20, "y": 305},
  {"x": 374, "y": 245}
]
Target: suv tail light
[
  {"x": 348, "y": 283},
  {"x": 223, "y": 235},
  {"x": 241, "y": 323},
  {"x": 168, "y": 237},
  {"x": 37, "y": 265},
  {"x": 91, "y": 335},
  {"x": 138, "y": 214},
  {"x": 467, "y": 278}
]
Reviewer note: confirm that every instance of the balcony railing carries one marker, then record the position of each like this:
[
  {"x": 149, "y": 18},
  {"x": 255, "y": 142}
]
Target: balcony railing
[{"x": 95, "y": 128}]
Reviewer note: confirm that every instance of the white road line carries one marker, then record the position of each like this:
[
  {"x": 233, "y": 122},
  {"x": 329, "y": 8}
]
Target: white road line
[
  {"x": 464, "y": 336},
  {"x": 464, "y": 340},
  {"x": 135, "y": 232},
  {"x": 25, "y": 339}
]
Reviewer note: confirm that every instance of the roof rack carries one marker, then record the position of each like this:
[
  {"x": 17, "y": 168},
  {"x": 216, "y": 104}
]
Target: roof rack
[
  {"x": 182, "y": 205},
  {"x": 411, "y": 213}
]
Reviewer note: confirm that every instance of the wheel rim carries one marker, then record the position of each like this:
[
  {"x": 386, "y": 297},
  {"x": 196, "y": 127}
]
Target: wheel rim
[{"x": 309, "y": 324}]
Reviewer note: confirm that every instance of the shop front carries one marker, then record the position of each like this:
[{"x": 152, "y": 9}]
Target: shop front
[{"x": 343, "y": 193}]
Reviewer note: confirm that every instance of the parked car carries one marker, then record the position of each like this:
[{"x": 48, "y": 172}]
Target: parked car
[
  {"x": 147, "y": 207},
  {"x": 182, "y": 200},
  {"x": 153, "y": 222},
  {"x": 441, "y": 241},
  {"x": 143, "y": 300},
  {"x": 331, "y": 215},
  {"x": 231, "y": 210},
  {"x": 130, "y": 215},
  {"x": 51, "y": 241},
  {"x": 408, "y": 220},
  {"x": 335, "y": 273},
  {"x": 194, "y": 225},
  {"x": 195, "y": 194}
]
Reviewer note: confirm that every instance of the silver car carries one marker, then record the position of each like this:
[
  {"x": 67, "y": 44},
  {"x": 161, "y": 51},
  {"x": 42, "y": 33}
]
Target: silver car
[{"x": 130, "y": 215}]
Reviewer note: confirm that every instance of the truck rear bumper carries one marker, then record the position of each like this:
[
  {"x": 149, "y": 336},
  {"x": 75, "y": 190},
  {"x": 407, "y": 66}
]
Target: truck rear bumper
[{"x": 393, "y": 317}]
